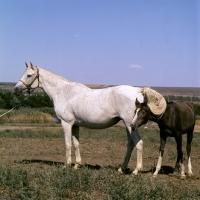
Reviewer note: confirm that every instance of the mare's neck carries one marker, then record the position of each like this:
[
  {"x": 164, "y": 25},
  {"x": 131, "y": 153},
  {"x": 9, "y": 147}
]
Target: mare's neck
[{"x": 51, "y": 83}]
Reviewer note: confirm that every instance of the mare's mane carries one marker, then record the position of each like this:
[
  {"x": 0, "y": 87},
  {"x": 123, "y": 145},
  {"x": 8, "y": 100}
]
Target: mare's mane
[{"x": 155, "y": 101}]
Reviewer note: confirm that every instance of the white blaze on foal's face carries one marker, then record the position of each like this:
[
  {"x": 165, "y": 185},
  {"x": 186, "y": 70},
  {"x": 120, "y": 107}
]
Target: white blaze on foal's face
[
  {"x": 141, "y": 115},
  {"x": 136, "y": 116}
]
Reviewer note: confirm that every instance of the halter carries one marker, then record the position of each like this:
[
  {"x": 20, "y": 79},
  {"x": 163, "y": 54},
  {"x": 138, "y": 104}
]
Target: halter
[
  {"x": 157, "y": 118},
  {"x": 28, "y": 86}
]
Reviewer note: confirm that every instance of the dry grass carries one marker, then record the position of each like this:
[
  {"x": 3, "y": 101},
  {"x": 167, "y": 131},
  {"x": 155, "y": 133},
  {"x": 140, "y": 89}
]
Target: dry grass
[
  {"x": 26, "y": 115},
  {"x": 32, "y": 160}
]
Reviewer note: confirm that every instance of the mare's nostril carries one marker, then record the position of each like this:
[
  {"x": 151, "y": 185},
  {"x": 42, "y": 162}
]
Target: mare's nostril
[{"x": 16, "y": 91}]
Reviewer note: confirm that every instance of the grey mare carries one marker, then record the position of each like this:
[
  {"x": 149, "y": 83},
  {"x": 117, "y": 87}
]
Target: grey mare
[{"x": 77, "y": 105}]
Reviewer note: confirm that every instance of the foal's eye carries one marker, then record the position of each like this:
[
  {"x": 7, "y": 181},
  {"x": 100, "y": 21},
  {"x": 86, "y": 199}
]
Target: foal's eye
[{"x": 29, "y": 76}]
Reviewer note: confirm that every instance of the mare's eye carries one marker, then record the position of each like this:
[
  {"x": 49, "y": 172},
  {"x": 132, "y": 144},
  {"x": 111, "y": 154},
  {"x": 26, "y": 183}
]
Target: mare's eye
[{"x": 29, "y": 76}]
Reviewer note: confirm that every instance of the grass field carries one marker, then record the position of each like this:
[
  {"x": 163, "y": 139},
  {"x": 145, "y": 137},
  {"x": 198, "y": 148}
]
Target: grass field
[
  {"x": 32, "y": 152},
  {"x": 32, "y": 159}
]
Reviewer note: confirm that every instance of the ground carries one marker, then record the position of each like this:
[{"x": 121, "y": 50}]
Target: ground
[{"x": 96, "y": 151}]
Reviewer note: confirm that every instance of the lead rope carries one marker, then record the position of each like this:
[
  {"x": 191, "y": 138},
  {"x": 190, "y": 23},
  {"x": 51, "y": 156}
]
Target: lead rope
[{"x": 12, "y": 108}]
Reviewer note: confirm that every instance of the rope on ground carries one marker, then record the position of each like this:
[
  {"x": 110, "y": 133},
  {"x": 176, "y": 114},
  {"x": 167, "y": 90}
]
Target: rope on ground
[{"x": 16, "y": 103}]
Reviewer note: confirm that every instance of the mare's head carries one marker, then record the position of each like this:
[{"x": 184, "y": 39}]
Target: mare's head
[
  {"x": 142, "y": 115},
  {"x": 29, "y": 80}
]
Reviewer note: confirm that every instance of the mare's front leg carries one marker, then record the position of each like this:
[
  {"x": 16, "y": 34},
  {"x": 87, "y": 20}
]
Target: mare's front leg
[
  {"x": 134, "y": 140},
  {"x": 129, "y": 150},
  {"x": 75, "y": 136},
  {"x": 161, "y": 152},
  {"x": 179, "y": 163},
  {"x": 139, "y": 147},
  {"x": 67, "y": 128}
]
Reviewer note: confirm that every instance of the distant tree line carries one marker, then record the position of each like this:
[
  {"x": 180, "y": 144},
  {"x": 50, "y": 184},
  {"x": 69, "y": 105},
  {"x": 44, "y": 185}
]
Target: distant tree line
[
  {"x": 184, "y": 98},
  {"x": 36, "y": 100},
  {"x": 193, "y": 99},
  {"x": 40, "y": 100}
]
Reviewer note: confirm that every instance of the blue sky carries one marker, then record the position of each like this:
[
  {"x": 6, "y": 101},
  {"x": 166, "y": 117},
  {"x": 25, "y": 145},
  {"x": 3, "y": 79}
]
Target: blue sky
[{"x": 132, "y": 42}]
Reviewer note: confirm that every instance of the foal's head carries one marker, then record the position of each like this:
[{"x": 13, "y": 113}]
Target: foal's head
[{"x": 142, "y": 114}]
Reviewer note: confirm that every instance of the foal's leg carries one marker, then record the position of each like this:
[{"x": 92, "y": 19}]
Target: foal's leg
[
  {"x": 129, "y": 150},
  {"x": 179, "y": 162},
  {"x": 188, "y": 148},
  {"x": 75, "y": 136},
  {"x": 68, "y": 142},
  {"x": 161, "y": 152}
]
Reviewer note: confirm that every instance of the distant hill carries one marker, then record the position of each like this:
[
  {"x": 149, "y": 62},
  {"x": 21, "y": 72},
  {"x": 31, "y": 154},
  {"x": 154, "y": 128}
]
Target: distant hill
[
  {"x": 176, "y": 91},
  {"x": 180, "y": 91},
  {"x": 7, "y": 85}
]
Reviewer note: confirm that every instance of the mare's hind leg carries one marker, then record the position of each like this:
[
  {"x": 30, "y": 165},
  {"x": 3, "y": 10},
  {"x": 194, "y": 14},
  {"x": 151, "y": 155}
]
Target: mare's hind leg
[
  {"x": 179, "y": 163},
  {"x": 75, "y": 137},
  {"x": 188, "y": 148},
  {"x": 161, "y": 150}
]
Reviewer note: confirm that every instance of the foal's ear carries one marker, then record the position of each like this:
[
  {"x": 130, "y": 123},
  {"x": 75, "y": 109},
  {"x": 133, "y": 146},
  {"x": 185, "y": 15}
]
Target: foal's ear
[
  {"x": 145, "y": 99},
  {"x": 137, "y": 103},
  {"x": 26, "y": 64}
]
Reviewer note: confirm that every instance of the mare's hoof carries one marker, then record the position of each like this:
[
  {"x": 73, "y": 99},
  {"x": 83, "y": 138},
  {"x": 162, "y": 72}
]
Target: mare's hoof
[
  {"x": 77, "y": 166},
  {"x": 182, "y": 176},
  {"x": 190, "y": 174},
  {"x": 135, "y": 172},
  {"x": 154, "y": 175},
  {"x": 64, "y": 167},
  {"x": 120, "y": 170}
]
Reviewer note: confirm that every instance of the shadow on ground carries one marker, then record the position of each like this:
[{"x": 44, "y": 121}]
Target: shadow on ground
[{"x": 164, "y": 170}]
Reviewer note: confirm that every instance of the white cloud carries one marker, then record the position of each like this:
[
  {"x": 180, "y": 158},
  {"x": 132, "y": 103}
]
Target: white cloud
[
  {"x": 76, "y": 35},
  {"x": 135, "y": 66}
]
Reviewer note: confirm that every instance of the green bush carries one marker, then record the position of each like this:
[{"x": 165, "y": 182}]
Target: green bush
[
  {"x": 197, "y": 109},
  {"x": 35, "y": 100}
]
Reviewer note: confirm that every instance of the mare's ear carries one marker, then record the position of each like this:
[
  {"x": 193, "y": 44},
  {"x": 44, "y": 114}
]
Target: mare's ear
[
  {"x": 32, "y": 66},
  {"x": 137, "y": 103},
  {"x": 26, "y": 64}
]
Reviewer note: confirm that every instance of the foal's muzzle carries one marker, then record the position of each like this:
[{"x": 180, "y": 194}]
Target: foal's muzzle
[{"x": 134, "y": 127}]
